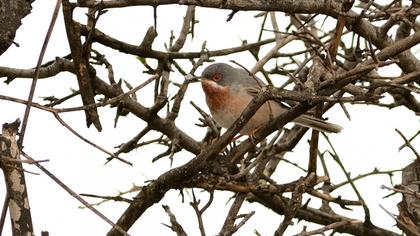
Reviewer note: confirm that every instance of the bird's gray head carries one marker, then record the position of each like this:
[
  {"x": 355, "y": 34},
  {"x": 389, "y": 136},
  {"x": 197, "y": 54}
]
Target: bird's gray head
[
  {"x": 221, "y": 73},
  {"x": 226, "y": 75}
]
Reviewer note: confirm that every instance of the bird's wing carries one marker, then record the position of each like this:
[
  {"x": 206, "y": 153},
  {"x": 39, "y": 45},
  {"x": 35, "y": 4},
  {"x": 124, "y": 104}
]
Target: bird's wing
[
  {"x": 253, "y": 91},
  {"x": 254, "y": 85}
]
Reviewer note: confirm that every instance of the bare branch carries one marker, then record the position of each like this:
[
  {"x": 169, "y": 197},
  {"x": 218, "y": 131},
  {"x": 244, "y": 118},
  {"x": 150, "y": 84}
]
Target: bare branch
[
  {"x": 328, "y": 227},
  {"x": 175, "y": 226},
  {"x": 75, "y": 195},
  {"x": 17, "y": 193}
]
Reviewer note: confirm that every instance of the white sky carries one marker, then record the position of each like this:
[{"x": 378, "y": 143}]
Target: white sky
[{"x": 367, "y": 141}]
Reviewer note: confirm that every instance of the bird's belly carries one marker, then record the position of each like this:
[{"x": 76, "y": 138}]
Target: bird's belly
[
  {"x": 230, "y": 112},
  {"x": 264, "y": 114}
]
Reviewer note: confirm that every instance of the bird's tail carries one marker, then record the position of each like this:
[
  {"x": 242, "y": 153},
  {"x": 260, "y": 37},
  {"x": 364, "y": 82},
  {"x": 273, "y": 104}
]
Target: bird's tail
[{"x": 317, "y": 124}]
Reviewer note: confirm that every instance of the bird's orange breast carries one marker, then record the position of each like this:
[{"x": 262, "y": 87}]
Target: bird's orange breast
[{"x": 217, "y": 96}]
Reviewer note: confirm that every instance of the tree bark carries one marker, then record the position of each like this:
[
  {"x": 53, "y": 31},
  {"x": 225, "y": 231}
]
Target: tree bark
[
  {"x": 11, "y": 14},
  {"x": 20, "y": 213}
]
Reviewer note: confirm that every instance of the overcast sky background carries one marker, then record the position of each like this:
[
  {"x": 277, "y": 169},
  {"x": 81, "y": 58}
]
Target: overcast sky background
[{"x": 367, "y": 141}]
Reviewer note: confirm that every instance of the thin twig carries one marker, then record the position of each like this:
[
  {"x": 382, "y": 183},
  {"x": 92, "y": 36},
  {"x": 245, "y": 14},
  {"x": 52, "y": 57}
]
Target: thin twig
[
  {"x": 359, "y": 196},
  {"x": 75, "y": 195},
  {"x": 328, "y": 227},
  {"x": 35, "y": 79},
  {"x": 407, "y": 142},
  {"x": 374, "y": 172},
  {"x": 62, "y": 122}
]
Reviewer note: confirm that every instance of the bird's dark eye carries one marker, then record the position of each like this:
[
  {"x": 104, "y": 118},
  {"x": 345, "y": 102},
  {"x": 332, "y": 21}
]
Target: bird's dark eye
[{"x": 216, "y": 77}]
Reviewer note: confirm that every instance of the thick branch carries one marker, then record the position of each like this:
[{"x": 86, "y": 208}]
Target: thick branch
[
  {"x": 20, "y": 212},
  {"x": 309, "y": 214}
]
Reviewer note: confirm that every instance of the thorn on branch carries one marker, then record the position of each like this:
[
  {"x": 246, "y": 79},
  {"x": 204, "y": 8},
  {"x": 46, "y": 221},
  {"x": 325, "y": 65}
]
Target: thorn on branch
[{"x": 230, "y": 16}]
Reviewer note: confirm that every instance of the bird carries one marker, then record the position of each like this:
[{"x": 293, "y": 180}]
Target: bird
[{"x": 228, "y": 90}]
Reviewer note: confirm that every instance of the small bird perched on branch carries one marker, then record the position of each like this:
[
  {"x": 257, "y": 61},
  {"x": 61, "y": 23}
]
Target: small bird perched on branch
[{"x": 228, "y": 92}]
